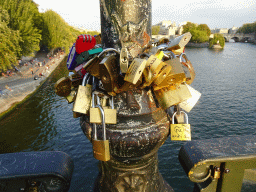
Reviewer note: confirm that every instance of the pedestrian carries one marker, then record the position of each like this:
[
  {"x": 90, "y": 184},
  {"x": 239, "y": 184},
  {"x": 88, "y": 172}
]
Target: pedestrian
[
  {"x": 44, "y": 62},
  {"x": 32, "y": 72},
  {"x": 1, "y": 92},
  {"x": 7, "y": 87}
]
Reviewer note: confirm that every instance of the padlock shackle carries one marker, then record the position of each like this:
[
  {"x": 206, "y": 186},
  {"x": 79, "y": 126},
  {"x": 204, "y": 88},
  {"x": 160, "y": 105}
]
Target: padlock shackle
[
  {"x": 86, "y": 76},
  {"x": 107, "y": 50},
  {"x": 183, "y": 55},
  {"x": 103, "y": 121},
  {"x": 186, "y": 116},
  {"x": 112, "y": 102},
  {"x": 93, "y": 100}
]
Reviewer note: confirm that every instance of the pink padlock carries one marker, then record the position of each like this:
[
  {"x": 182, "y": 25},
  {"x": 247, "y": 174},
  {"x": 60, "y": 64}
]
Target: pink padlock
[{"x": 85, "y": 43}]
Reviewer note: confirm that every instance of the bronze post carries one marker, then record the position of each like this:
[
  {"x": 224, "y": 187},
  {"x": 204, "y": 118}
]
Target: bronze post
[{"x": 140, "y": 131}]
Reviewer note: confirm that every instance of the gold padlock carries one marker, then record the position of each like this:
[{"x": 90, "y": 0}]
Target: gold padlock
[
  {"x": 101, "y": 147},
  {"x": 63, "y": 87},
  {"x": 92, "y": 66},
  {"x": 161, "y": 76},
  {"x": 190, "y": 75},
  {"x": 110, "y": 113},
  {"x": 175, "y": 76},
  {"x": 125, "y": 85},
  {"x": 172, "y": 95},
  {"x": 124, "y": 60},
  {"x": 83, "y": 98},
  {"x": 153, "y": 67},
  {"x": 109, "y": 72},
  {"x": 188, "y": 104},
  {"x": 72, "y": 96},
  {"x": 180, "y": 132},
  {"x": 135, "y": 70}
]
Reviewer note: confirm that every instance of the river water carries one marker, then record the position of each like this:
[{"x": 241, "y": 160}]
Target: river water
[{"x": 226, "y": 78}]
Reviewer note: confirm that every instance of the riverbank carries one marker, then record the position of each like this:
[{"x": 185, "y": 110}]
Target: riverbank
[
  {"x": 198, "y": 45},
  {"x": 21, "y": 86}
]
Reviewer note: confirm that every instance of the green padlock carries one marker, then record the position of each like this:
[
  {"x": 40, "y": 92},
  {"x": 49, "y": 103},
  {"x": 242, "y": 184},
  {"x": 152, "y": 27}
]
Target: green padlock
[{"x": 180, "y": 132}]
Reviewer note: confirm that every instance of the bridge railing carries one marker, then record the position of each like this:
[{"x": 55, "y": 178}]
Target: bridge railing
[{"x": 219, "y": 164}]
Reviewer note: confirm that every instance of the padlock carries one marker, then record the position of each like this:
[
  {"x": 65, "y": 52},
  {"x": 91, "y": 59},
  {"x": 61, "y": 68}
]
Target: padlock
[
  {"x": 76, "y": 114},
  {"x": 72, "y": 96},
  {"x": 153, "y": 67},
  {"x": 175, "y": 76},
  {"x": 84, "y": 43},
  {"x": 179, "y": 42},
  {"x": 180, "y": 132},
  {"x": 161, "y": 76},
  {"x": 188, "y": 68},
  {"x": 92, "y": 66},
  {"x": 159, "y": 54},
  {"x": 125, "y": 85},
  {"x": 135, "y": 70},
  {"x": 124, "y": 60},
  {"x": 80, "y": 70},
  {"x": 101, "y": 147},
  {"x": 63, "y": 87},
  {"x": 82, "y": 57},
  {"x": 110, "y": 113},
  {"x": 108, "y": 69},
  {"x": 71, "y": 62},
  {"x": 83, "y": 98},
  {"x": 172, "y": 95},
  {"x": 188, "y": 104}
]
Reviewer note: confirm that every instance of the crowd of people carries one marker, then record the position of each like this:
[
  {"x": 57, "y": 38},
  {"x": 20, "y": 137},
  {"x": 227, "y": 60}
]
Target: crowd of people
[{"x": 32, "y": 68}]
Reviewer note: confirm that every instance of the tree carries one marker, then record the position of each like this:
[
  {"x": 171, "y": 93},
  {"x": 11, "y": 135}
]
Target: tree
[
  {"x": 247, "y": 28},
  {"x": 9, "y": 42},
  {"x": 218, "y": 38},
  {"x": 188, "y": 27},
  {"x": 199, "y": 36},
  {"x": 56, "y": 32},
  {"x": 23, "y": 14},
  {"x": 204, "y": 27},
  {"x": 155, "y": 29}
]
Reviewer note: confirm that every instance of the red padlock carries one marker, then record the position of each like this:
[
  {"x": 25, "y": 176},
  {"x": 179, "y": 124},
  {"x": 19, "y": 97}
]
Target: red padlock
[{"x": 85, "y": 43}]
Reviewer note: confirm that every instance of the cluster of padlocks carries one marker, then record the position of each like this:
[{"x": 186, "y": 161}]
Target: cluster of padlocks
[{"x": 99, "y": 74}]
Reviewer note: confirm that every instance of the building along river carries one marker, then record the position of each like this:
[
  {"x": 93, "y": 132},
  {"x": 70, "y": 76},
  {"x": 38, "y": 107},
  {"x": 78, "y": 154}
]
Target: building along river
[{"x": 226, "y": 78}]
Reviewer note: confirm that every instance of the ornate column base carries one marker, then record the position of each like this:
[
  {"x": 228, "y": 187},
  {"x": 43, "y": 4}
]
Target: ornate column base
[{"x": 140, "y": 176}]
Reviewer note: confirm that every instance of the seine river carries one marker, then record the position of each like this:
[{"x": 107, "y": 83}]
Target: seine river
[{"x": 226, "y": 78}]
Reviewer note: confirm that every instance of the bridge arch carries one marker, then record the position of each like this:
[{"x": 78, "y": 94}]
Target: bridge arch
[{"x": 237, "y": 39}]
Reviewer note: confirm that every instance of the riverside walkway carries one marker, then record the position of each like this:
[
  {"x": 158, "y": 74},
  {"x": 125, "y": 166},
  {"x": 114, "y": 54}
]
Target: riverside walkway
[{"x": 17, "y": 87}]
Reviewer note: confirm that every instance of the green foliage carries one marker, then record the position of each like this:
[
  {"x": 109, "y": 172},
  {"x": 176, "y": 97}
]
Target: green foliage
[
  {"x": 218, "y": 38},
  {"x": 56, "y": 32},
  {"x": 155, "y": 30},
  {"x": 247, "y": 28},
  {"x": 199, "y": 36},
  {"x": 200, "y": 33},
  {"x": 92, "y": 33},
  {"x": 9, "y": 42},
  {"x": 189, "y": 27},
  {"x": 204, "y": 27},
  {"x": 23, "y": 15}
]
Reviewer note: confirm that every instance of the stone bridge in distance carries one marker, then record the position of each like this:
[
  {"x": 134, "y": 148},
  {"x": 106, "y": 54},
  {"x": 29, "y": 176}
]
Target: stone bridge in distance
[{"x": 239, "y": 37}]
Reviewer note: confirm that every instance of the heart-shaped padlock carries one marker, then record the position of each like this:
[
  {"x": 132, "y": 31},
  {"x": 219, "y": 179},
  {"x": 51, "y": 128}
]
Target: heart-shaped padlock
[{"x": 85, "y": 43}]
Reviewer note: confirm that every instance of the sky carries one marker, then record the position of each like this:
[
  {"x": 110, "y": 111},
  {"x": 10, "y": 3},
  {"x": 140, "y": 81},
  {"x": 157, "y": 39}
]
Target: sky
[{"x": 214, "y": 13}]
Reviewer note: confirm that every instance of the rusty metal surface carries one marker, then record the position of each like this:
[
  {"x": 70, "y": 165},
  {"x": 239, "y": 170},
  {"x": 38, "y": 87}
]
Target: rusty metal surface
[
  {"x": 122, "y": 177},
  {"x": 126, "y": 24}
]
